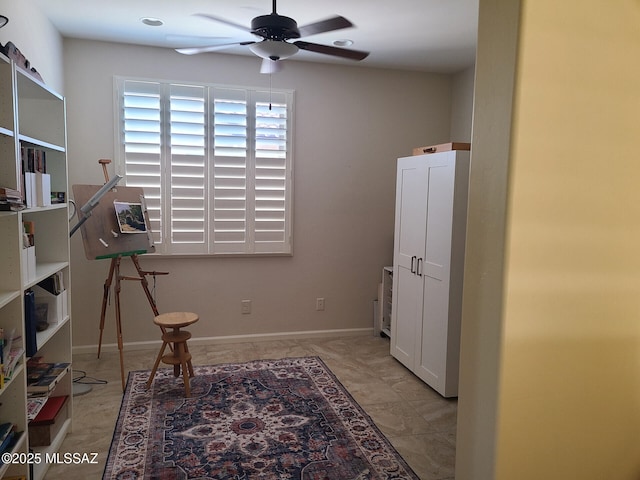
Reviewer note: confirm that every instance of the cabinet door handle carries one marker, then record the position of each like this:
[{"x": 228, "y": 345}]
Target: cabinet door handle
[
  {"x": 419, "y": 267},
  {"x": 413, "y": 266}
]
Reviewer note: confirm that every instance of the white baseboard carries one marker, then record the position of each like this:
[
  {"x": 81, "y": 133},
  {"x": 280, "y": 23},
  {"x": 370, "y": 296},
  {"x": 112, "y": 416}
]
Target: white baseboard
[{"x": 261, "y": 337}]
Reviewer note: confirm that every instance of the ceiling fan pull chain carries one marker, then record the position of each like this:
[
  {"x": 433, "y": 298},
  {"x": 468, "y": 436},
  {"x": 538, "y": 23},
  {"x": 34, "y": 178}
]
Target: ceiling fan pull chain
[{"x": 270, "y": 85}]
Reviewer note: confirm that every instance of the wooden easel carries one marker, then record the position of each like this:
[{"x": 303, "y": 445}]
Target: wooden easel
[
  {"x": 114, "y": 273},
  {"x": 96, "y": 233}
]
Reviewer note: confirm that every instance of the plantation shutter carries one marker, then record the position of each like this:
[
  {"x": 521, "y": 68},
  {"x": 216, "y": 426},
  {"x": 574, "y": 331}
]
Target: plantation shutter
[
  {"x": 142, "y": 145},
  {"x": 230, "y": 175},
  {"x": 272, "y": 169},
  {"x": 187, "y": 169},
  {"x": 214, "y": 162}
]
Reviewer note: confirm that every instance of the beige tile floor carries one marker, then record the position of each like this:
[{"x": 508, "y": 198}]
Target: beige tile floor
[{"x": 419, "y": 423}]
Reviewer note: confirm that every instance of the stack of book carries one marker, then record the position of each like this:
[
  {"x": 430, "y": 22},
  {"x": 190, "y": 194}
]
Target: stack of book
[
  {"x": 37, "y": 182},
  {"x": 10, "y": 200},
  {"x": 42, "y": 377}
]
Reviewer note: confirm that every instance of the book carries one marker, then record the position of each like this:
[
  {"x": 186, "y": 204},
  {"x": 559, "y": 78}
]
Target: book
[
  {"x": 37, "y": 371},
  {"x": 33, "y": 159},
  {"x": 10, "y": 206},
  {"x": 10, "y": 442},
  {"x": 34, "y": 405},
  {"x": 53, "y": 284},
  {"x": 31, "y": 343},
  {"x": 46, "y": 382},
  {"x": 7, "y": 431},
  {"x": 14, "y": 356},
  {"x": 49, "y": 411},
  {"x": 7, "y": 193}
]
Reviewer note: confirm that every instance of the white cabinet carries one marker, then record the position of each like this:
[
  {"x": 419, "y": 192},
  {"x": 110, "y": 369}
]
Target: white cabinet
[
  {"x": 428, "y": 261},
  {"x": 32, "y": 117},
  {"x": 384, "y": 303}
]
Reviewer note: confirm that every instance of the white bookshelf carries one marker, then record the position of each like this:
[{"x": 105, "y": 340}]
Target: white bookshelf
[{"x": 32, "y": 116}]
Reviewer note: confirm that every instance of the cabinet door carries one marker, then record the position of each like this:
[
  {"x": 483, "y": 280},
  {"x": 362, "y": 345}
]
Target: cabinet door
[
  {"x": 409, "y": 240},
  {"x": 431, "y": 361}
]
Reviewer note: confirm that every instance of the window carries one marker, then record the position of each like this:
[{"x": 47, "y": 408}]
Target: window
[{"x": 215, "y": 163}]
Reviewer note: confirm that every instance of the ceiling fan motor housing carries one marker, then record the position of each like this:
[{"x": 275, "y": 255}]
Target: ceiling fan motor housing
[{"x": 275, "y": 27}]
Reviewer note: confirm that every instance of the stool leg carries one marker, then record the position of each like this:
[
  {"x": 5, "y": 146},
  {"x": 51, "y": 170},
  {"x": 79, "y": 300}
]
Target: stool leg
[
  {"x": 186, "y": 349},
  {"x": 155, "y": 366},
  {"x": 185, "y": 372},
  {"x": 176, "y": 367}
]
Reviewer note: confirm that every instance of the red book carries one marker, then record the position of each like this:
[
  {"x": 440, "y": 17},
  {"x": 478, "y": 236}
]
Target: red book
[{"x": 47, "y": 415}]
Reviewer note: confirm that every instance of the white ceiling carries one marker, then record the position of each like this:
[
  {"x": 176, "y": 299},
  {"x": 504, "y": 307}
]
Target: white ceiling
[{"x": 424, "y": 35}]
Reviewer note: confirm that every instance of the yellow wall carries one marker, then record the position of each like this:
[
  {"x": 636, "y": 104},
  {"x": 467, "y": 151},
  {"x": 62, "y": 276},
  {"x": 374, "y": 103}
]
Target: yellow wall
[{"x": 569, "y": 397}]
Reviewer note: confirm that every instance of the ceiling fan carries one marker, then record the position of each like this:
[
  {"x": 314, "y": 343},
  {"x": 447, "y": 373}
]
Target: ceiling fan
[{"x": 275, "y": 31}]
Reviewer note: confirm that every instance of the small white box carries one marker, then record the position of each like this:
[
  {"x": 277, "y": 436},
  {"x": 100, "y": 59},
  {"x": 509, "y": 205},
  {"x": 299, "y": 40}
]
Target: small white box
[
  {"x": 57, "y": 304},
  {"x": 28, "y": 264},
  {"x": 43, "y": 189},
  {"x": 30, "y": 189}
]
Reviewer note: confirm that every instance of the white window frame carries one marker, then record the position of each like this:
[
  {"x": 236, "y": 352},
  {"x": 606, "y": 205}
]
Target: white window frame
[{"x": 208, "y": 221}]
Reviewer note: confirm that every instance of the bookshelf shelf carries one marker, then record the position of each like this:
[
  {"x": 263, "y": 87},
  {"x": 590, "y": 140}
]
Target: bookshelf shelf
[
  {"x": 5, "y": 469},
  {"x": 32, "y": 116},
  {"x": 43, "y": 337},
  {"x": 6, "y": 297},
  {"x": 45, "y": 270},
  {"x": 16, "y": 374},
  {"x": 40, "y": 143}
]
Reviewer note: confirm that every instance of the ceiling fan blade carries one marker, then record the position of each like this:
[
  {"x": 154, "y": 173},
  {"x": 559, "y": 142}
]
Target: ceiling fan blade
[
  {"x": 210, "y": 48},
  {"x": 222, "y": 20},
  {"x": 328, "y": 25},
  {"x": 271, "y": 66},
  {"x": 334, "y": 51}
]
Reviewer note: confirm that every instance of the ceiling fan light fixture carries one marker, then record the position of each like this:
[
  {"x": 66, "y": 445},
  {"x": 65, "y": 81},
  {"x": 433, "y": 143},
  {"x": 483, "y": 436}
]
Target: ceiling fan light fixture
[
  {"x": 345, "y": 42},
  {"x": 273, "y": 49}
]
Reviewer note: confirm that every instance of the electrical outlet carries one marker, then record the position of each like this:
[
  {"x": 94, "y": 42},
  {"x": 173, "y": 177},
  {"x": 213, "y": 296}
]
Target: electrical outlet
[
  {"x": 246, "y": 306},
  {"x": 320, "y": 304}
]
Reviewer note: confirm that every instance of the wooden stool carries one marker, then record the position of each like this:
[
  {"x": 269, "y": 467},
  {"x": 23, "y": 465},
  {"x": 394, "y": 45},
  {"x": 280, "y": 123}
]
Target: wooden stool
[{"x": 180, "y": 356}]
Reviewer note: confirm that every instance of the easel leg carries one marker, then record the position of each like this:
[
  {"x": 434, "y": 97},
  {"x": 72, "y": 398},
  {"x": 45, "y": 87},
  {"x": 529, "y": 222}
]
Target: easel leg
[
  {"x": 114, "y": 272},
  {"x": 119, "y": 321},
  {"x": 145, "y": 285},
  {"x": 105, "y": 297}
]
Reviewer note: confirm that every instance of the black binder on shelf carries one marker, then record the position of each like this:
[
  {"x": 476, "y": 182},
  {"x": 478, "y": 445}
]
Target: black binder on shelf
[{"x": 30, "y": 318}]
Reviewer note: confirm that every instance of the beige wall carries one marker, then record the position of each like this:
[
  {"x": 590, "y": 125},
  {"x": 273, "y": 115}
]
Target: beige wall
[
  {"x": 484, "y": 262},
  {"x": 564, "y": 395},
  {"x": 36, "y": 38},
  {"x": 351, "y": 124},
  {"x": 462, "y": 104}
]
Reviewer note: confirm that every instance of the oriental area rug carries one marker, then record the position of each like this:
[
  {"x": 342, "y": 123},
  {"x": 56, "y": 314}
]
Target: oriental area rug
[{"x": 264, "y": 420}]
